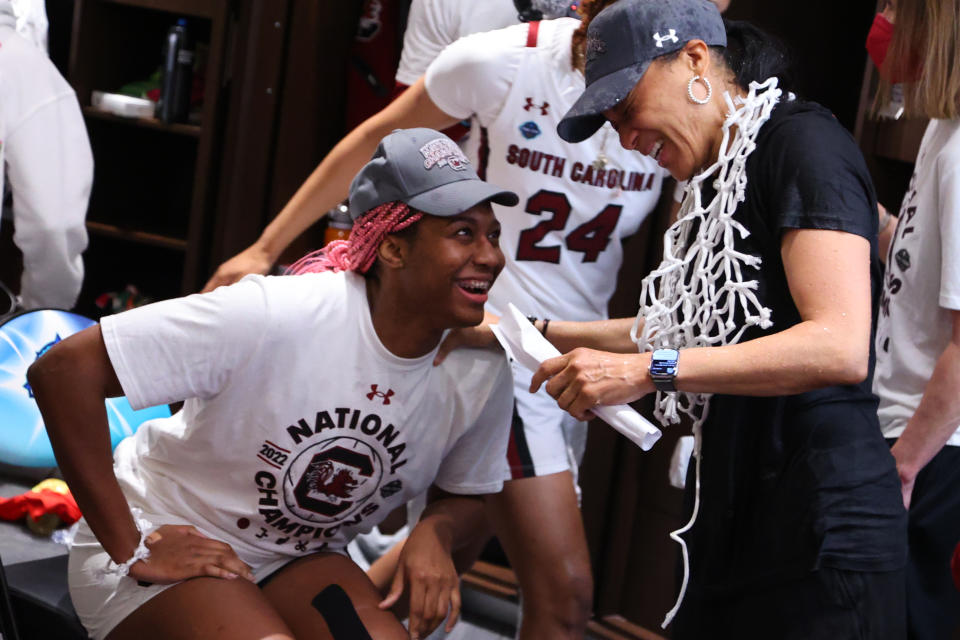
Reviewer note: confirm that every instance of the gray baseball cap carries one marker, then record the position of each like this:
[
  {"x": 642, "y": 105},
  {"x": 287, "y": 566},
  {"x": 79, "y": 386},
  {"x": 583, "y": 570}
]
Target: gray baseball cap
[
  {"x": 622, "y": 41},
  {"x": 425, "y": 169}
]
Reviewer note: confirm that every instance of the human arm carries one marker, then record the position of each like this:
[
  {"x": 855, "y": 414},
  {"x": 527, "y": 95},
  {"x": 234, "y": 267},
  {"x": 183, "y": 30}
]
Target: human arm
[
  {"x": 829, "y": 346},
  {"x": 50, "y": 169},
  {"x": 565, "y": 335},
  {"x": 429, "y": 29},
  {"x": 886, "y": 230},
  {"x": 330, "y": 181},
  {"x": 426, "y": 569},
  {"x": 70, "y": 383},
  {"x": 935, "y": 419}
]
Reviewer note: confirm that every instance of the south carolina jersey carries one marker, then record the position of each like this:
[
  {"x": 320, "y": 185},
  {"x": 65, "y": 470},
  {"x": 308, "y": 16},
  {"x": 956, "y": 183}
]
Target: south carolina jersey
[{"x": 577, "y": 201}]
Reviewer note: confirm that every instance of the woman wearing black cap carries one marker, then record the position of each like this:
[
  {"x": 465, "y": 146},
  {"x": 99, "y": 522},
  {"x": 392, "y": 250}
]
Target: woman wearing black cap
[
  {"x": 757, "y": 326},
  {"x": 312, "y": 410}
]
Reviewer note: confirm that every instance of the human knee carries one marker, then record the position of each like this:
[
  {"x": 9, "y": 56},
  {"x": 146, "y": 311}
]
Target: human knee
[
  {"x": 567, "y": 596},
  {"x": 576, "y": 596}
]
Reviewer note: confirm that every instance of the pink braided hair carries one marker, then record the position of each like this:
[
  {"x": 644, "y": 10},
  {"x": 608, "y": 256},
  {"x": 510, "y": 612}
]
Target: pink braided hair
[{"x": 359, "y": 251}]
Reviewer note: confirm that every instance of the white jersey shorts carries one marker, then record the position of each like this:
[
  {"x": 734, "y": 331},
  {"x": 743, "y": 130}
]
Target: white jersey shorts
[
  {"x": 543, "y": 438},
  {"x": 103, "y": 600}
]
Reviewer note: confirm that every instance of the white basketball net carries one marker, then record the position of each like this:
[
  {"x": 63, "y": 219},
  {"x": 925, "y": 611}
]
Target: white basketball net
[{"x": 693, "y": 297}]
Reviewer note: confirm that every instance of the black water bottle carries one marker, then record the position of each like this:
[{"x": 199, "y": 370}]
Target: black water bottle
[{"x": 177, "y": 82}]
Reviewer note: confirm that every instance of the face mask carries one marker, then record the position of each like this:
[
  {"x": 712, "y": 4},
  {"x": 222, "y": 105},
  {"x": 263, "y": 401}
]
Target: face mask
[{"x": 878, "y": 40}]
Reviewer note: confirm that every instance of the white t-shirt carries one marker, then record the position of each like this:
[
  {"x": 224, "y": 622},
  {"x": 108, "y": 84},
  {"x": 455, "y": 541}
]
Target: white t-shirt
[
  {"x": 31, "y": 18},
  {"x": 434, "y": 24},
  {"x": 46, "y": 156},
  {"x": 922, "y": 280},
  {"x": 563, "y": 242},
  {"x": 300, "y": 429}
]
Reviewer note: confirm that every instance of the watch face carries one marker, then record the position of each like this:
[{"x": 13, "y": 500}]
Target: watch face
[
  {"x": 664, "y": 363},
  {"x": 663, "y": 369}
]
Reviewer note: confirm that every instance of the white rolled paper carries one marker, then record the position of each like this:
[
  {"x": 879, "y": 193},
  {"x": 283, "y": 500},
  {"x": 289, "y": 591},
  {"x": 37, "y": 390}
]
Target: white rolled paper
[{"x": 523, "y": 343}]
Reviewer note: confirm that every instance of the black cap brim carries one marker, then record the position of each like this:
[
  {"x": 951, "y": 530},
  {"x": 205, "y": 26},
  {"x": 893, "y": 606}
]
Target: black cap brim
[
  {"x": 454, "y": 198},
  {"x": 586, "y": 117}
]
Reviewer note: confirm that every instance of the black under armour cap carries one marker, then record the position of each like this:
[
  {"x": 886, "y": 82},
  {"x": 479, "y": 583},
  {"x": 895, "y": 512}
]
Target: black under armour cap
[
  {"x": 622, "y": 41},
  {"x": 425, "y": 169}
]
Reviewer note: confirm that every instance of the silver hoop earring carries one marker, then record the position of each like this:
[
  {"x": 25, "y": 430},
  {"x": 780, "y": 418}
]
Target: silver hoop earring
[{"x": 694, "y": 98}]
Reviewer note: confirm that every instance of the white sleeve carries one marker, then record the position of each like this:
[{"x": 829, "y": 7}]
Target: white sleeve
[
  {"x": 474, "y": 75},
  {"x": 187, "y": 347},
  {"x": 949, "y": 185},
  {"x": 429, "y": 30},
  {"x": 50, "y": 169},
  {"x": 477, "y": 463}
]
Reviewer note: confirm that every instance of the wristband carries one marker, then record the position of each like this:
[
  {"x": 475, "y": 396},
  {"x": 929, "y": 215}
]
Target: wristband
[
  {"x": 140, "y": 553},
  {"x": 543, "y": 329}
]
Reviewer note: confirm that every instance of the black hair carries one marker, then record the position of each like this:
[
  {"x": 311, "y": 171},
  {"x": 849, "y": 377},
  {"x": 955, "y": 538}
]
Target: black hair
[
  {"x": 526, "y": 12},
  {"x": 753, "y": 55}
]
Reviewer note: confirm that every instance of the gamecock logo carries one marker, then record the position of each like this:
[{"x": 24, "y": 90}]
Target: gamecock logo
[{"x": 331, "y": 479}]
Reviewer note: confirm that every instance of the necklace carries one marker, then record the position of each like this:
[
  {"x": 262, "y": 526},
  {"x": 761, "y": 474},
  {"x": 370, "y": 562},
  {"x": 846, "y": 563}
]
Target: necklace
[{"x": 602, "y": 160}]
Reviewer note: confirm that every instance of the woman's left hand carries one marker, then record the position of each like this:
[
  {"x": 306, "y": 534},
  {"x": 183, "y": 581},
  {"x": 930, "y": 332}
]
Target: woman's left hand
[
  {"x": 427, "y": 571},
  {"x": 585, "y": 378}
]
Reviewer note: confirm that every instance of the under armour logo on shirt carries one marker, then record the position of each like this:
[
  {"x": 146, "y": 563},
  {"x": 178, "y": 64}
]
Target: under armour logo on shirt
[
  {"x": 543, "y": 107},
  {"x": 374, "y": 393},
  {"x": 671, "y": 36}
]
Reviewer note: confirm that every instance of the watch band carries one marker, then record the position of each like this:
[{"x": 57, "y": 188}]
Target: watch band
[{"x": 664, "y": 384}]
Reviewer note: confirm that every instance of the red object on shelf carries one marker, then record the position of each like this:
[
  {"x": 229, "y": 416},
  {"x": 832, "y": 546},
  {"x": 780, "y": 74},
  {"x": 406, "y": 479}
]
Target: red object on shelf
[{"x": 47, "y": 497}]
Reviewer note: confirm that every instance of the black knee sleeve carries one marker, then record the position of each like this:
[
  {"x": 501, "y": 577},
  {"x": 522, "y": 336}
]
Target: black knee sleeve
[{"x": 337, "y": 610}]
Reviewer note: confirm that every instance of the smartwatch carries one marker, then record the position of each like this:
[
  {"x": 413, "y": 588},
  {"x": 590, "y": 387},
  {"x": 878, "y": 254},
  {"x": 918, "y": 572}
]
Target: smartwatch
[{"x": 663, "y": 369}]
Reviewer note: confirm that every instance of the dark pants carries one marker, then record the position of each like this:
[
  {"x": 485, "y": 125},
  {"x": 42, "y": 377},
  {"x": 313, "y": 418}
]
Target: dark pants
[
  {"x": 933, "y": 530},
  {"x": 828, "y": 604}
]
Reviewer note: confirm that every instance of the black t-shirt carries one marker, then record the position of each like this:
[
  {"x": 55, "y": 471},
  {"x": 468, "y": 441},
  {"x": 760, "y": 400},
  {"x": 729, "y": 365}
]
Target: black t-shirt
[{"x": 791, "y": 483}]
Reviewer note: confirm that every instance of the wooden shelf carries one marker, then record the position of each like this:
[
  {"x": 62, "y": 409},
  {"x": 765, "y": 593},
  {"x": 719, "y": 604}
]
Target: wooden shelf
[
  {"x": 143, "y": 237},
  {"x": 191, "y": 130},
  {"x": 198, "y": 8},
  {"x": 501, "y": 582},
  {"x": 496, "y": 581},
  {"x": 619, "y": 628}
]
